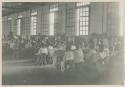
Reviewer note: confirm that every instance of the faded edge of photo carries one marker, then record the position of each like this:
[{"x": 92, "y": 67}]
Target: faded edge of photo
[{"x": 123, "y": 27}]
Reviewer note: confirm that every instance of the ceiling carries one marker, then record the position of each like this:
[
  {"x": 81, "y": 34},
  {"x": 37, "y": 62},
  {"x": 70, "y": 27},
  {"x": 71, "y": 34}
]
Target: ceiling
[{"x": 14, "y": 7}]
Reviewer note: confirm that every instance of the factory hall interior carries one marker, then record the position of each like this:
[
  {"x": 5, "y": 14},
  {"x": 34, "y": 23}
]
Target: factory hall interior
[{"x": 62, "y": 43}]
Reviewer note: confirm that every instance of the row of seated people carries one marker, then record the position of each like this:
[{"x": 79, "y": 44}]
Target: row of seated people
[
  {"x": 20, "y": 45},
  {"x": 67, "y": 54},
  {"x": 70, "y": 54}
]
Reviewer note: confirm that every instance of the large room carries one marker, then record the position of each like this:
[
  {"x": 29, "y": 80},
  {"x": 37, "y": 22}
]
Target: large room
[{"x": 62, "y": 43}]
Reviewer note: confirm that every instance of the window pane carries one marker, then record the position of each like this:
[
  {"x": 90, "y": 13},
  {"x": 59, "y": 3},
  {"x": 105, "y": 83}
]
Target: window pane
[
  {"x": 86, "y": 14},
  {"x": 84, "y": 23},
  {"x": 86, "y": 32},
  {"x": 87, "y": 19},
  {"x": 80, "y": 23},
  {"x": 87, "y": 23},
  {"x": 87, "y": 28},
  {"x": 81, "y": 10},
  {"x": 83, "y": 18},
  {"x": 84, "y": 28},
  {"x": 80, "y": 13},
  {"x": 83, "y": 33},
  {"x": 86, "y": 9},
  {"x": 80, "y": 32},
  {"x": 80, "y": 18}
]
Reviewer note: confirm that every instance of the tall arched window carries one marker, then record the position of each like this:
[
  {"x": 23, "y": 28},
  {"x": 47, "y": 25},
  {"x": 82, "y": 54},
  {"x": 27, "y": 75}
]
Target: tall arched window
[
  {"x": 19, "y": 24},
  {"x": 9, "y": 24},
  {"x": 33, "y": 23},
  {"x": 82, "y": 13}
]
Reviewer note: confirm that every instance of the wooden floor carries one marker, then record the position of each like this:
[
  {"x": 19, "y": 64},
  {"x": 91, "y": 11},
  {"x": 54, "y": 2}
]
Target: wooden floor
[{"x": 24, "y": 72}]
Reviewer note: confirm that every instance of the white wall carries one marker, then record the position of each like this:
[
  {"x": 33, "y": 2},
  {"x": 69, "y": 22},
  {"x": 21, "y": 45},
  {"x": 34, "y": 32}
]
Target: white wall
[{"x": 104, "y": 17}]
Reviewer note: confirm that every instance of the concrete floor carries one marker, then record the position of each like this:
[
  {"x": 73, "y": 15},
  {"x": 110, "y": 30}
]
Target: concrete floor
[
  {"x": 24, "y": 72},
  {"x": 115, "y": 71}
]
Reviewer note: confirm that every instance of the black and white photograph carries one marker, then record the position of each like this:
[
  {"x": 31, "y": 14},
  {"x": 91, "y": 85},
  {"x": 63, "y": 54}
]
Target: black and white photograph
[{"x": 63, "y": 43}]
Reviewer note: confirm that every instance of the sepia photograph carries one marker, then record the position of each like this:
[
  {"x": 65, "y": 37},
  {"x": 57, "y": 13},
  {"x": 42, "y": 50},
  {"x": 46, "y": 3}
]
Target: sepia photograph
[{"x": 62, "y": 43}]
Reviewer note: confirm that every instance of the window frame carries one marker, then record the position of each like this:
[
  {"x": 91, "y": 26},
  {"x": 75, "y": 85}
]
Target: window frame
[
  {"x": 79, "y": 22},
  {"x": 19, "y": 26},
  {"x": 54, "y": 8},
  {"x": 33, "y": 15}
]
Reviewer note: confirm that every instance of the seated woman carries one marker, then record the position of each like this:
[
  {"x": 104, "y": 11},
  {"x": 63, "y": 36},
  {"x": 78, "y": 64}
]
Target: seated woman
[
  {"x": 61, "y": 46},
  {"x": 84, "y": 48},
  {"x": 90, "y": 69},
  {"x": 91, "y": 59},
  {"x": 28, "y": 44},
  {"x": 41, "y": 55},
  {"x": 12, "y": 44},
  {"x": 78, "y": 57},
  {"x": 29, "y": 50},
  {"x": 73, "y": 47},
  {"x": 12, "y": 48},
  {"x": 107, "y": 55},
  {"x": 58, "y": 55},
  {"x": 90, "y": 52},
  {"x": 69, "y": 59},
  {"x": 103, "y": 55},
  {"x": 50, "y": 53},
  {"x": 103, "y": 51}
]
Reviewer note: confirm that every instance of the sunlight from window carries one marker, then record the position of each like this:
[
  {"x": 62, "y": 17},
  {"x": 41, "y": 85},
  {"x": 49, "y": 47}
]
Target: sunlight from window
[
  {"x": 18, "y": 26},
  {"x": 33, "y": 23},
  {"x": 52, "y": 17},
  {"x": 82, "y": 18}
]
